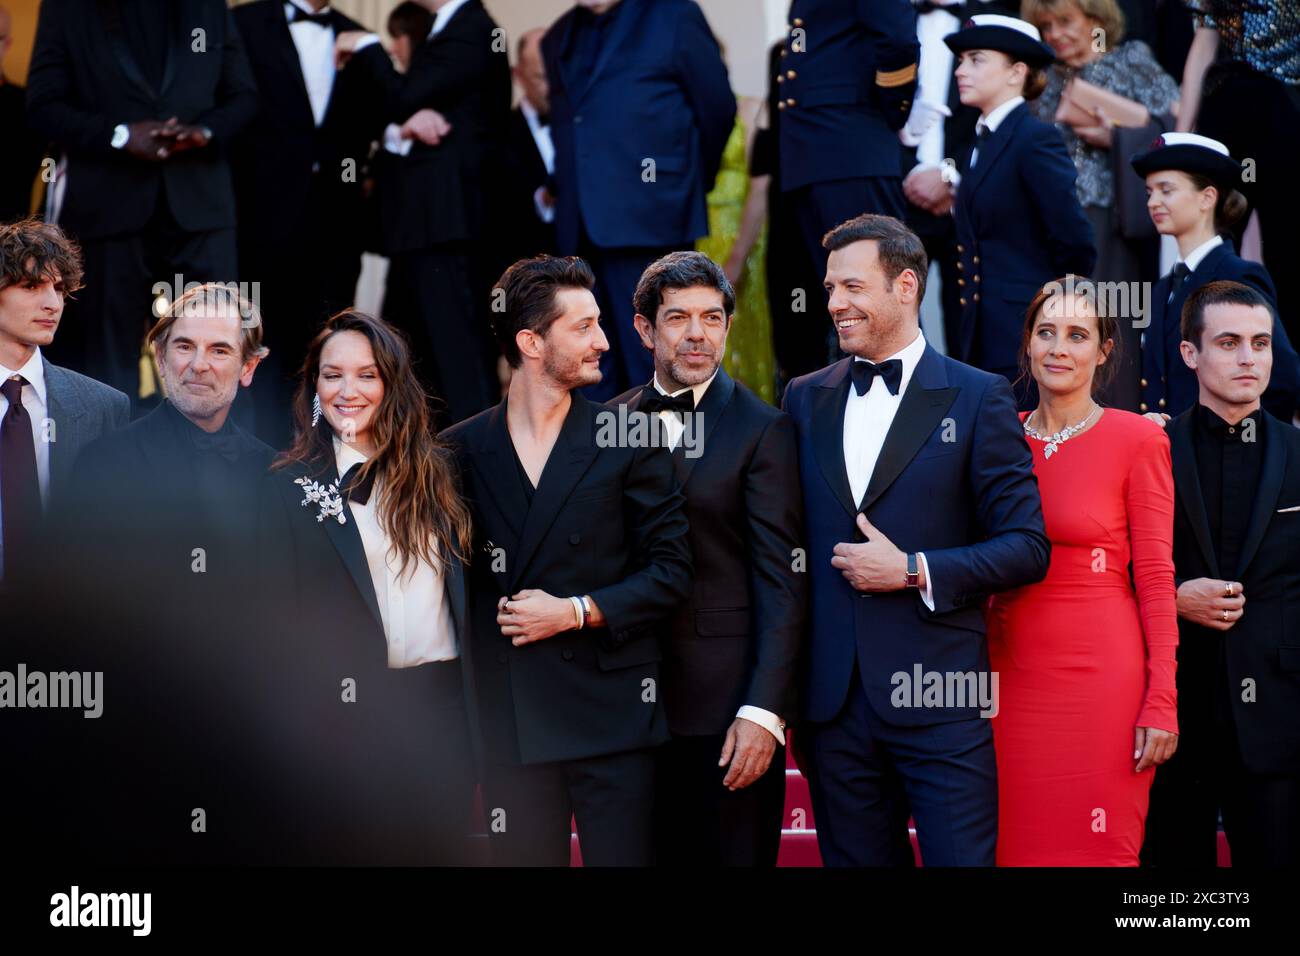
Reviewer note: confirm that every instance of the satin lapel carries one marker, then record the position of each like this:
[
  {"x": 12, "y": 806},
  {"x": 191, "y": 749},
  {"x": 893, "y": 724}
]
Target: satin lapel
[
  {"x": 347, "y": 541},
  {"x": 454, "y": 584},
  {"x": 121, "y": 51},
  {"x": 994, "y": 146},
  {"x": 494, "y": 461},
  {"x": 180, "y": 34},
  {"x": 574, "y": 451},
  {"x": 1182, "y": 452},
  {"x": 923, "y": 406},
  {"x": 716, "y": 399},
  {"x": 278, "y": 25},
  {"x": 828, "y": 432},
  {"x": 1271, "y": 472}
]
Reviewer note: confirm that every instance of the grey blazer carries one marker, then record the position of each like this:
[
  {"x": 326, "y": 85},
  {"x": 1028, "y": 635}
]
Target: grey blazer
[{"x": 81, "y": 410}]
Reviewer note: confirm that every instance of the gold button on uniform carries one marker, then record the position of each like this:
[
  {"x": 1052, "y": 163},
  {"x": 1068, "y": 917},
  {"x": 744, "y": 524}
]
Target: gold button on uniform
[
  {"x": 976, "y": 260},
  {"x": 791, "y": 74},
  {"x": 798, "y": 22},
  {"x": 780, "y": 104},
  {"x": 1142, "y": 407},
  {"x": 780, "y": 78},
  {"x": 961, "y": 281},
  {"x": 1144, "y": 383},
  {"x": 977, "y": 296},
  {"x": 960, "y": 267},
  {"x": 977, "y": 277},
  {"x": 960, "y": 247},
  {"x": 790, "y": 101},
  {"x": 1161, "y": 403},
  {"x": 963, "y": 301}
]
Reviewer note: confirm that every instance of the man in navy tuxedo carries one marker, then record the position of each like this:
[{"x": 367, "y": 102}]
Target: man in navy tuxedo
[
  {"x": 641, "y": 109},
  {"x": 846, "y": 77},
  {"x": 920, "y": 499}
]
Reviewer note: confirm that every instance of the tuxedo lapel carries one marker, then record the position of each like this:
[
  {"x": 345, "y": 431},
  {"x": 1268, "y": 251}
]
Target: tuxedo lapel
[
  {"x": 1188, "y": 484},
  {"x": 572, "y": 455},
  {"x": 122, "y": 51},
  {"x": 1271, "y": 472},
  {"x": 622, "y": 28},
  {"x": 712, "y": 407},
  {"x": 494, "y": 461},
  {"x": 277, "y": 26},
  {"x": 347, "y": 542},
  {"x": 827, "y": 427},
  {"x": 922, "y": 407},
  {"x": 181, "y": 38}
]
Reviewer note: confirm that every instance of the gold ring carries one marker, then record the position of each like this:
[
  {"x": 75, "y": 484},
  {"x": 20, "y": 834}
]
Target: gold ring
[
  {"x": 1225, "y": 616},
  {"x": 1229, "y": 589}
]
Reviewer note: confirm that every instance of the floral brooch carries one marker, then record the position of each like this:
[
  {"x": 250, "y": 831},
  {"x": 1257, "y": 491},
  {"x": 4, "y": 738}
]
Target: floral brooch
[{"x": 326, "y": 497}]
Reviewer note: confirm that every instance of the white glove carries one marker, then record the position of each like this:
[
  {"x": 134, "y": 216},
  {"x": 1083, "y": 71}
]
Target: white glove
[{"x": 923, "y": 116}]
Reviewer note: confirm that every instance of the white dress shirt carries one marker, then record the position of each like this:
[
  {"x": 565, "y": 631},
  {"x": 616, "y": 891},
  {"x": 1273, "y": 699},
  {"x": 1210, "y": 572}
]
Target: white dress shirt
[
  {"x": 315, "y": 45},
  {"x": 1195, "y": 257},
  {"x": 673, "y": 428},
  {"x": 393, "y": 141},
  {"x": 866, "y": 423},
  {"x": 992, "y": 122},
  {"x": 413, "y": 606},
  {"x": 546, "y": 148}
]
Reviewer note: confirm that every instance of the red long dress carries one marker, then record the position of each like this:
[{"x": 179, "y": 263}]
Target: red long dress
[{"x": 1082, "y": 660}]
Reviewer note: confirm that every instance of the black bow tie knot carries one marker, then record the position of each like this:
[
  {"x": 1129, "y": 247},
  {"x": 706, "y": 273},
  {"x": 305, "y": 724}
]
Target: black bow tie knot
[
  {"x": 354, "y": 487},
  {"x": 320, "y": 19},
  {"x": 224, "y": 443},
  {"x": 890, "y": 370},
  {"x": 653, "y": 400}
]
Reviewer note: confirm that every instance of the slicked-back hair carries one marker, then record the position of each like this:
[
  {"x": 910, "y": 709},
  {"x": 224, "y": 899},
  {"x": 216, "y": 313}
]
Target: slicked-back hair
[
  {"x": 680, "y": 270},
  {"x": 31, "y": 250},
  {"x": 1222, "y": 292},
  {"x": 897, "y": 247},
  {"x": 527, "y": 292},
  {"x": 218, "y": 297}
]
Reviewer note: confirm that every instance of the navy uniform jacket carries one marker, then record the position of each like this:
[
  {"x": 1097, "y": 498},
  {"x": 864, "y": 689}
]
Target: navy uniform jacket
[
  {"x": 658, "y": 91},
  {"x": 846, "y": 76},
  {"x": 1019, "y": 225},
  {"x": 1168, "y": 385}
]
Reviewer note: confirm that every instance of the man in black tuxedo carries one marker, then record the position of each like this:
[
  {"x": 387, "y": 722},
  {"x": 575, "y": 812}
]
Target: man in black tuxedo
[
  {"x": 528, "y": 161},
  {"x": 1236, "y": 537},
  {"x": 729, "y": 661},
  {"x": 21, "y": 156},
  {"x": 145, "y": 98},
  {"x": 448, "y": 114},
  {"x": 581, "y": 552},
  {"x": 158, "y": 532},
  {"x": 298, "y": 180}
]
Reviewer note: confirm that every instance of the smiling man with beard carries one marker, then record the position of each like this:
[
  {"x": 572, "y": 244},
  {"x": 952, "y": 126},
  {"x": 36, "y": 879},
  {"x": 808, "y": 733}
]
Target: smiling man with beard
[{"x": 157, "y": 530}]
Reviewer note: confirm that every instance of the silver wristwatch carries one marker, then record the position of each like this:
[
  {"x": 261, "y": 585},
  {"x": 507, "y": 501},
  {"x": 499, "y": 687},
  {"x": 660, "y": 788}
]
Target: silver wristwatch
[{"x": 120, "y": 135}]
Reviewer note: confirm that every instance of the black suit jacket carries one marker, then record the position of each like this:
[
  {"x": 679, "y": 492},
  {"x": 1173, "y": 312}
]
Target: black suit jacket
[
  {"x": 1264, "y": 645},
  {"x": 343, "y": 773},
  {"x": 605, "y": 520},
  {"x": 523, "y": 233},
  {"x": 156, "y": 587},
  {"x": 736, "y": 639},
  {"x": 435, "y": 194},
  {"x": 275, "y": 154},
  {"x": 85, "y": 80}
]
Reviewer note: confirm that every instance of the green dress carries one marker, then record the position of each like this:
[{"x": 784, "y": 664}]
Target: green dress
[{"x": 749, "y": 357}]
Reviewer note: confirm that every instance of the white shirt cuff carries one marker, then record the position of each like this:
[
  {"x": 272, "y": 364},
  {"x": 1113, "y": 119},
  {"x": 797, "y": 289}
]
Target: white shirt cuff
[
  {"x": 927, "y": 594},
  {"x": 393, "y": 141},
  {"x": 765, "y": 719},
  {"x": 370, "y": 39},
  {"x": 544, "y": 212}
]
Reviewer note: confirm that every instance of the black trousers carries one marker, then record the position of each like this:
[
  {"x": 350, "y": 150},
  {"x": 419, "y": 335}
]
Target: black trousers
[
  {"x": 1261, "y": 812},
  {"x": 699, "y": 822},
  {"x": 431, "y": 296},
  {"x": 104, "y": 331},
  {"x": 528, "y": 808}
]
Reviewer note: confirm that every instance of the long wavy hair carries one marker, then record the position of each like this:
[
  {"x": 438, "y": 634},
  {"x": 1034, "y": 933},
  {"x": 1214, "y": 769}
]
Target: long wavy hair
[{"x": 419, "y": 504}]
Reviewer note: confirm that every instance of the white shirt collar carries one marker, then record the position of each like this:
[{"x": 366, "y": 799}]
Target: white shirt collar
[
  {"x": 995, "y": 118},
  {"x": 33, "y": 371},
  {"x": 909, "y": 355},
  {"x": 697, "y": 390},
  {"x": 444, "y": 14},
  {"x": 304, "y": 7},
  {"x": 1200, "y": 252},
  {"x": 345, "y": 456}
]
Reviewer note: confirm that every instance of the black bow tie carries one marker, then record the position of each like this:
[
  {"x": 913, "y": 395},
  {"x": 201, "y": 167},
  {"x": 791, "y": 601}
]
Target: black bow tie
[
  {"x": 543, "y": 119},
  {"x": 653, "y": 400},
  {"x": 224, "y": 443},
  {"x": 863, "y": 372},
  {"x": 320, "y": 19},
  {"x": 356, "y": 488}
]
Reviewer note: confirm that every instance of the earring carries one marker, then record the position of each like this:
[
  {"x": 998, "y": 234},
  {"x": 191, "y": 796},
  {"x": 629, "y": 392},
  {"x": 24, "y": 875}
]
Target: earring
[{"x": 315, "y": 410}]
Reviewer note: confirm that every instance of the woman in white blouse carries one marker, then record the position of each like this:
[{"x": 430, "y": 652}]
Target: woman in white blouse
[{"x": 363, "y": 536}]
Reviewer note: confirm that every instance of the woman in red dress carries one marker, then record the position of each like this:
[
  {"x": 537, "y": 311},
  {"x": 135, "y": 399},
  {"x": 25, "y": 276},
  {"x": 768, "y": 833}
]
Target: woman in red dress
[{"x": 1085, "y": 658}]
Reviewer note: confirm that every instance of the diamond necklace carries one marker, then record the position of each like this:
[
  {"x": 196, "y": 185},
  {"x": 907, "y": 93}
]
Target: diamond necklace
[{"x": 1064, "y": 435}]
